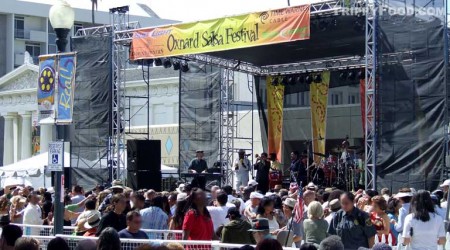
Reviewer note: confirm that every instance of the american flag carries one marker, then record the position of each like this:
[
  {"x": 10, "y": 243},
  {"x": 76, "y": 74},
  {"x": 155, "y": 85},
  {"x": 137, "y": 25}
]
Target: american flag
[{"x": 299, "y": 206}]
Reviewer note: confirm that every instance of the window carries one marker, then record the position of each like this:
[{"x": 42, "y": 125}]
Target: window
[
  {"x": 336, "y": 98},
  {"x": 76, "y": 27},
  {"x": 34, "y": 49},
  {"x": 353, "y": 98},
  {"x": 19, "y": 27}
]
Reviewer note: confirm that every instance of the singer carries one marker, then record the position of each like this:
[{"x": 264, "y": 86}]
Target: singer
[
  {"x": 262, "y": 165},
  {"x": 241, "y": 169}
]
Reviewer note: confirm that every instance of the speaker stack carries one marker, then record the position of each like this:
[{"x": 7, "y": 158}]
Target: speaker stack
[{"x": 144, "y": 164}]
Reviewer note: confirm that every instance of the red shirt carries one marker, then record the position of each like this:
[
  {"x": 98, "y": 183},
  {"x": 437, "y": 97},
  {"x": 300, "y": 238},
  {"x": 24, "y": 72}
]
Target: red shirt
[{"x": 199, "y": 226}]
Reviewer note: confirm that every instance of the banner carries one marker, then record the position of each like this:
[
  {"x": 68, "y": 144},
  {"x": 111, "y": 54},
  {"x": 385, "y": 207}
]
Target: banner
[
  {"x": 56, "y": 68},
  {"x": 319, "y": 102},
  {"x": 35, "y": 134},
  {"x": 275, "y": 98},
  {"x": 46, "y": 88},
  {"x": 255, "y": 29},
  {"x": 66, "y": 80}
]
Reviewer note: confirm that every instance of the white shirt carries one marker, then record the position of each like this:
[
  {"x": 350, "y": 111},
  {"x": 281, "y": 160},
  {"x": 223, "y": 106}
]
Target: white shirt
[
  {"x": 32, "y": 216},
  {"x": 425, "y": 234},
  {"x": 244, "y": 166},
  {"x": 77, "y": 199},
  {"x": 218, "y": 215},
  {"x": 330, "y": 217}
]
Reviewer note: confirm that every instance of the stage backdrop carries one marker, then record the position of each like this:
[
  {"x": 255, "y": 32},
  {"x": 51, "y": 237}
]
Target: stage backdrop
[
  {"x": 319, "y": 104},
  {"x": 275, "y": 97},
  {"x": 255, "y": 29},
  {"x": 199, "y": 114}
]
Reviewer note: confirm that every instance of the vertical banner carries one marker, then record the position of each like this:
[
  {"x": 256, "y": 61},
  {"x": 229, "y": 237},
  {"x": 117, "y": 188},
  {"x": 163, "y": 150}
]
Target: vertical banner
[
  {"x": 362, "y": 93},
  {"x": 46, "y": 88},
  {"x": 319, "y": 102},
  {"x": 66, "y": 80},
  {"x": 275, "y": 98},
  {"x": 35, "y": 134}
]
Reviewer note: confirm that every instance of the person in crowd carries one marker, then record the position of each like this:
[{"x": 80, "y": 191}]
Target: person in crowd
[
  {"x": 423, "y": 229},
  {"x": 115, "y": 218},
  {"x": 315, "y": 226},
  {"x": 58, "y": 243},
  {"x": 292, "y": 225},
  {"x": 133, "y": 230},
  {"x": 269, "y": 244},
  {"x": 139, "y": 202},
  {"x": 385, "y": 193},
  {"x": 262, "y": 166},
  {"x": 405, "y": 196},
  {"x": 445, "y": 187},
  {"x": 77, "y": 197},
  {"x": 87, "y": 244},
  {"x": 154, "y": 217},
  {"x": 353, "y": 225},
  {"x": 91, "y": 225},
  {"x": 4, "y": 205},
  {"x": 437, "y": 206},
  {"x": 334, "y": 206},
  {"x": 32, "y": 215},
  {"x": 237, "y": 230},
  {"x": 278, "y": 210},
  {"x": 229, "y": 191},
  {"x": 213, "y": 195},
  {"x": 197, "y": 224},
  {"x": 26, "y": 243},
  {"x": 10, "y": 234},
  {"x": 219, "y": 211},
  {"x": 89, "y": 209},
  {"x": 308, "y": 246},
  {"x": 298, "y": 169},
  {"x": 250, "y": 210},
  {"x": 332, "y": 242},
  {"x": 393, "y": 206},
  {"x": 116, "y": 188},
  {"x": 242, "y": 167},
  {"x": 109, "y": 239},
  {"x": 17, "y": 209},
  {"x": 198, "y": 164},
  {"x": 265, "y": 210},
  {"x": 176, "y": 223},
  {"x": 101, "y": 198},
  {"x": 260, "y": 229},
  {"x": 149, "y": 196},
  {"x": 172, "y": 203},
  {"x": 380, "y": 219}
]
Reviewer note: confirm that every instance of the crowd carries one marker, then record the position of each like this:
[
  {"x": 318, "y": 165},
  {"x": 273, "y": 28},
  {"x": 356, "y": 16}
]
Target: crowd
[{"x": 328, "y": 219}]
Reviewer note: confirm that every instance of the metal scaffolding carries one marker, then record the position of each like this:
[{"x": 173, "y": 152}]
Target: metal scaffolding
[
  {"x": 370, "y": 89},
  {"x": 227, "y": 125}
]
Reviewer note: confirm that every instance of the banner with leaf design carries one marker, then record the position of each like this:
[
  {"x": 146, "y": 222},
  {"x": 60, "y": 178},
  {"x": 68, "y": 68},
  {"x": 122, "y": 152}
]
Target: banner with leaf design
[
  {"x": 275, "y": 98},
  {"x": 319, "y": 103}
]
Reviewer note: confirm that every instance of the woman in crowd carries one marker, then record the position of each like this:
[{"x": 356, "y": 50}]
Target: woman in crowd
[
  {"x": 4, "y": 205},
  {"x": 17, "y": 209},
  {"x": 176, "y": 223},
  {"x": 393, "y": 207},
  {"x": 197, "y": 224},
  {"x": 315, "y": 226},
  {"x": 380, "y": 219},
  {"x": 424, "y": 229},
  {"x": 266, "y": 210},
  {"x": 278, "y": 210}
]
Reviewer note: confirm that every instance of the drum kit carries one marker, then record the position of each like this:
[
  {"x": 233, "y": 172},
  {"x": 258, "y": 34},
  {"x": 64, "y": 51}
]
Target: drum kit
[{"x": 340, "y": 168}]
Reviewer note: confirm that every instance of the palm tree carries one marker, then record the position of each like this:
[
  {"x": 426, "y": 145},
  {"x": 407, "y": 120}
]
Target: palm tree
[{"x": 94, "y": 8}]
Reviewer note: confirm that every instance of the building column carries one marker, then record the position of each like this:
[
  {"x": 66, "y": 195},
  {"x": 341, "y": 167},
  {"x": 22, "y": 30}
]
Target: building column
[
  {"x": 16, "y": 137},
  {"x": 8, "y": 144},
  {"x": 46, "y": 136},
  {"x": 26, "y": 144}
]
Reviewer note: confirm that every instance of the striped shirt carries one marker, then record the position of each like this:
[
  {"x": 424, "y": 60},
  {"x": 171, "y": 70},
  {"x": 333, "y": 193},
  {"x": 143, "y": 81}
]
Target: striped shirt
[{"x": 154, "y": 218}]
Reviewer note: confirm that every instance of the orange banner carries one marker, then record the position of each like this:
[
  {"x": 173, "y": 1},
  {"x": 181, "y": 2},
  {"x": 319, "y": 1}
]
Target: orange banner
[
  {"x": 255, "y": 29},
  {"x": 275, "y": 98},
  {"x": 319, "y": 101}
]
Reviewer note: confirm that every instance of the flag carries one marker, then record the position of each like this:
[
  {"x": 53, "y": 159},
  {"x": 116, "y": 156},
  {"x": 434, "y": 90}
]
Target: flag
[{"x": 299, "y": 206}]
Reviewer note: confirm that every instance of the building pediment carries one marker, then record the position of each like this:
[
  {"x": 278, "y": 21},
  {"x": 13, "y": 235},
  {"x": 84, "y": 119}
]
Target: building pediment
[{"x": 22, "y": 78}]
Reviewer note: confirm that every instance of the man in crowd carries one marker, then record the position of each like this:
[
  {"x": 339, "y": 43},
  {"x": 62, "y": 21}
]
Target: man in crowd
[
  {"x": 296, "y": 228},
  {"x": 334, "y": 206},
  {"x": 445, "y": 187},
  {"x": 154, "y": 217},
  {"x": 229, "y": 191},
  {"x": 116, "y": 188},
  {"x": 9, "y": 236},
  {"x": 219, "y": 211},
  {"x": 352, "y": 225},
  {"x": 139, "y": 202},
  {"x": 89, "y": 209},
  {"x": 250, "y": 210},
  {"x": 242, "y": 167},
  {"x": 133, "y": 230},
  {"x": 260, "y": 229},
  {"x": 77, "y": 197},
  {"x": 32, "y": 215},
  {"x": 237, "y": 230}
]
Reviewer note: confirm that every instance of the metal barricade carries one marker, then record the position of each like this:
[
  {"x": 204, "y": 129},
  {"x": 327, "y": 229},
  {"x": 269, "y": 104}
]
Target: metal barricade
[
  {"x": 154, "y": 234},
  {"x": 43, "y": 230}
]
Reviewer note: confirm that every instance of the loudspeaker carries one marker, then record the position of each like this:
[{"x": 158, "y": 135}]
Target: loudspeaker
[{"x": 144, "y": 164}]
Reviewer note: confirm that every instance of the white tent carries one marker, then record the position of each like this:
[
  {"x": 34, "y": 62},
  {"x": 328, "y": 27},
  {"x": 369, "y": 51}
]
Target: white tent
[{"x": 167, "y": 171}]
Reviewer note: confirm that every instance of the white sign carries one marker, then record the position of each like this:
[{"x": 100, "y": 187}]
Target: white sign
[{"x": 55, "y": 156}]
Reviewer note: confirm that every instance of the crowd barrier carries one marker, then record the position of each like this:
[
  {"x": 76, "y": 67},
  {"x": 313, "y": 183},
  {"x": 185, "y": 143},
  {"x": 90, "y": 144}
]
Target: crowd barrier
[
  {"x": 42, "y": 230},
  {"x": 131, "y": 244}
]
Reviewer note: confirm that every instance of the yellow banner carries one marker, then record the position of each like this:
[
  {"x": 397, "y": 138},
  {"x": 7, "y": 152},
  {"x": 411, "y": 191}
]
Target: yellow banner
[
  {"x": 319, "y": 102},
  {"x": 255, "y": 29},
  {"x": 275, "y": 97}
]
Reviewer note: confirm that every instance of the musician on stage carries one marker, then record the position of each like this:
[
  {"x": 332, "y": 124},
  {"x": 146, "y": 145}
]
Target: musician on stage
[
  {"x": 198, "y": 165},
  {"x": 242, "y": 167},
  {"x": 298, "y": 168},
  {"x": 275, "y": 165},
  {"x": 262, "y": 166}
]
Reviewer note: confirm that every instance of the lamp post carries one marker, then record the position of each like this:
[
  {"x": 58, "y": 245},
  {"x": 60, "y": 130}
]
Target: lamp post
[{"x": 61, "y": 17}]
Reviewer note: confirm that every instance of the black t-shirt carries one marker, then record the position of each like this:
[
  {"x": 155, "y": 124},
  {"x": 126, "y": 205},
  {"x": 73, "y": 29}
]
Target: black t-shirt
[
  {"x": 111, "y": 219},
  {"x": 141, "y": 235},
  {"x": 198, "y": 165}
]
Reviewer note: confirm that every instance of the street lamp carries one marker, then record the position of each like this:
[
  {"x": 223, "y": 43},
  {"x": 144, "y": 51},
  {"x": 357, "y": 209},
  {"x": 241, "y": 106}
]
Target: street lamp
[{"x": 61, "y": 17}]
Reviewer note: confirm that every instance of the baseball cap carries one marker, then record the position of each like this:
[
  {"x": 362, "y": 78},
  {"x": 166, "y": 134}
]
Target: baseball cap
[
  {"x": 260, "y": 224},
  {"x": 256, "y": 195},
  {"x": 252, "y": 183},
  {"x": 233, "y": 211}
]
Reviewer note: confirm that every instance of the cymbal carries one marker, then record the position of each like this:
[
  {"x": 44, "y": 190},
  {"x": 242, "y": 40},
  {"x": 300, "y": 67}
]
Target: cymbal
[
  {"x": 354, "y": 147},
  {"x": 319, "y": 154}
]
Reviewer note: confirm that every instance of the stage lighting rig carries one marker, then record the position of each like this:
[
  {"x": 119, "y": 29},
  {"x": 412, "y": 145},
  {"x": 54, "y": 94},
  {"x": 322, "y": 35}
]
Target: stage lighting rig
[
  {"x": 362, "y": 74},
  {"x": 176, "y": 65},
  {"x": 343, "y": 76},
  {"x": 300, "y": 79},
  {"x": 158, "y": 62},
  {"x": 309, "y": 79},
  {"x": 184, "y": 67},
  {"x": 284, "y": 80},
  {"x": 351, "y": 76},
  {"x": 167, "y": 63},
  {"x": 290, "y": 80},
  {"x": 274, "y": 81},
  {"x": 317, "y": 78}
]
